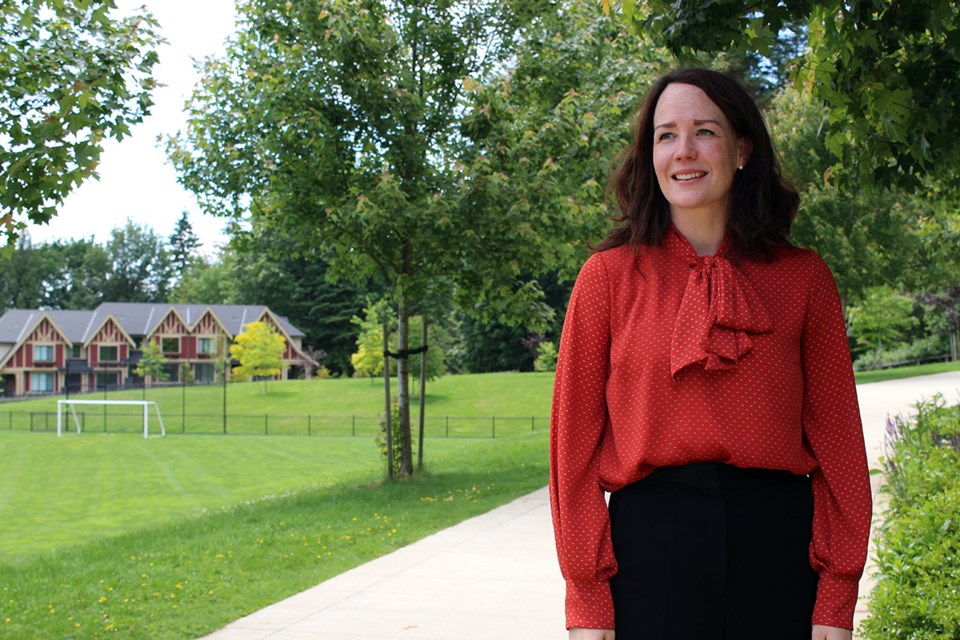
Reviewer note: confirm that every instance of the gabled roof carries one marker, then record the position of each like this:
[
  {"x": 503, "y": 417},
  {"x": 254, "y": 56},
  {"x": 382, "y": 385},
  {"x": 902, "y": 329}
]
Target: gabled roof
[
  {"x": 99, "y": 321},
  {"x": 141, "y": 318},
  {"x": 16, "y": 324},
  {"x": 75, "y": 325},
  {"x": 136, "y": 319},
  {"x": 13, "y": 335}
]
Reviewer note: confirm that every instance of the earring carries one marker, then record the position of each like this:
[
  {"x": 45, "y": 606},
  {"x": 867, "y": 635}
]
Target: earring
[{"x": 739, "y": 167}]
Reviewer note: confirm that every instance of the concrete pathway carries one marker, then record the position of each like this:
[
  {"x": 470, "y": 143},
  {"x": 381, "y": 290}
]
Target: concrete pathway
[{"x": 493, "y": 576}]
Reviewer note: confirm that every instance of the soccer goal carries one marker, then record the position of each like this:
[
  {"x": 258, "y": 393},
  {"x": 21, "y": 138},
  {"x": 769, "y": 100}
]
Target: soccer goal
[{"x": 71, "y": 404}]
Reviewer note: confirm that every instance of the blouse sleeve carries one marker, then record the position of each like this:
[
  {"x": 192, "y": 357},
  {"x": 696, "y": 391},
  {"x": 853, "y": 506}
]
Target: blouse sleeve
[
  {"x": 832, "y": 427},
  {"x": 580, "y": 519}
]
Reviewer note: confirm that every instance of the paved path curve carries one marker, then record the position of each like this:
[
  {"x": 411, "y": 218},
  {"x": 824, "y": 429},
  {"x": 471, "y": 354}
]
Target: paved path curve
[{"x": 493, "y": 576}]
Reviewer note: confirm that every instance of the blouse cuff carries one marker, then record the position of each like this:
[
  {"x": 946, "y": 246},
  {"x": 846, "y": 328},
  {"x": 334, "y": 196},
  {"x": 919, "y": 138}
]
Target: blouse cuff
[
  {"x": 589, "y": 604},
  {"x": 836, "y": 601}
]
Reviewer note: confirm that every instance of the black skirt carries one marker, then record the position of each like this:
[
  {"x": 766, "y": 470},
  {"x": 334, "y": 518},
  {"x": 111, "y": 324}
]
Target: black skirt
[{"x": 713, "y": 552}]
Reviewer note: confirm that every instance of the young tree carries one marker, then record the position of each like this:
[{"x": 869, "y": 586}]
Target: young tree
[
  {"x": 889, "y": 72},
  {"x": 367, "y": 360},
  {"x": 150, "y": 367},
  {"x": 72, "y": 74},
  {"x": 339, "y": 122},
  {"x": 259, "y": 350}
]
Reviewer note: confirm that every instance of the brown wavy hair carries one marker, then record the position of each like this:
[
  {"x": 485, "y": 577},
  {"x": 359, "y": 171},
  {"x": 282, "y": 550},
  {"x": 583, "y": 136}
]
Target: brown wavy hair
[{"x": 763, "y": 202}]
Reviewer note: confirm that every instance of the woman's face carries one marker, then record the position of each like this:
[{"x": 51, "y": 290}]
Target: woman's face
[{"x": 695, "y": 152}]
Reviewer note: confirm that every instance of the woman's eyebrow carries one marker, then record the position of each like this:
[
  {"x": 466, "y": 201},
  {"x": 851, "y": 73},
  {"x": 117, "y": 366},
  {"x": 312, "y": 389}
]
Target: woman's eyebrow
[{"x": 672, "y": 125}]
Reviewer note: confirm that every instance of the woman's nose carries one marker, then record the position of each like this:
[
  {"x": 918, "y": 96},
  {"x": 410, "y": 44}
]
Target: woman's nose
[{"x": 686, "y": 147}]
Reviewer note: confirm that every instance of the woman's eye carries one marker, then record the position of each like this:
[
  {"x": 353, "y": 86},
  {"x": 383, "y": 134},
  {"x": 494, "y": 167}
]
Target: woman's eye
[
  {"x": 704, "y": 132},
  {"x": 666, "y": 135}
]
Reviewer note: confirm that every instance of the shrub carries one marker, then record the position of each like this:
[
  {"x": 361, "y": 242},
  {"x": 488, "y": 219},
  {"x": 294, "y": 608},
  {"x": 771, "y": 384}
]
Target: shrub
[
  {"x": 928, "y": 347},
  {"x": 546, "y": 357},
  {"x": 395, "y": 436},
  {"x": 917, "y": 596}
]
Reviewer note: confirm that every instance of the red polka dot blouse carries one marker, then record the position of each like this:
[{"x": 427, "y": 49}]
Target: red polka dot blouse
[{"x": 668, "y": 358}]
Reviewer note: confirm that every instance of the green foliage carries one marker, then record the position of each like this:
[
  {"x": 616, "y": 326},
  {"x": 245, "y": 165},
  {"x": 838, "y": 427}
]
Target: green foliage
[
  {"x": 889, "y": 72},
  {"x": 206, "y": 281},
  {"x": 152, "y": 362},
  {"x": 273, "y": 268},
  {"x": 396, "y": 438},
  {"x": 79, "y": 274},
  {"x": 23, "y": 268},
  {"x": 545, "y": 130},
  {"x": 869, "y": 237},
  {"x": 337, "y": 123},
  {"x": 139, "y": 265},
  {"x": 367, "y": 360},
  {"x": 259, "y": 349},
  {"x": 182, "y": 247},
  {"x": 72, "y": 75},
  {"x": 881, "y": 318},
  {"x": 546, "y": 357},
  {"x": 928, "y": 347},
  {"x": 918, "y": 550},
  {"x": 132, "y": 266}
]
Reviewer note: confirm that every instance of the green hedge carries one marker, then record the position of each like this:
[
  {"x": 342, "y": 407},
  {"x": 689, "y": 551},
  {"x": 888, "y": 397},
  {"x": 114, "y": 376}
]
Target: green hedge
[{"x": 917, "y": 595}]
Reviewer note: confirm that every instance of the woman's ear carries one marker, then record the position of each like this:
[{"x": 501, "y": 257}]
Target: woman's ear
[{"x": 744, "y": 147}]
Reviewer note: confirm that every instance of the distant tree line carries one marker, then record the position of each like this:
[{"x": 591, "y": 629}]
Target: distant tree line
[{"x": 138, "y": 265}]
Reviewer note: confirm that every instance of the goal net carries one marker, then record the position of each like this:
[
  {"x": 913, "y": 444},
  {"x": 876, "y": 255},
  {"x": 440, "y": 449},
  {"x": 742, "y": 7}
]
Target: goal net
[{"x": 71, "y": 405}]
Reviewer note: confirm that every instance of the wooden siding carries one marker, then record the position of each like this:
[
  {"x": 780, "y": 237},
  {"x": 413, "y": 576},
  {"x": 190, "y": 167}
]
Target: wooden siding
[{"x": 110, "y": 333}]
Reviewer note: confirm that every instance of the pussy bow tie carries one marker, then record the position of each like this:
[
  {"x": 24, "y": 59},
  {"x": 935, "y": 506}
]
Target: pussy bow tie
[{"x": 719, "y": 309}]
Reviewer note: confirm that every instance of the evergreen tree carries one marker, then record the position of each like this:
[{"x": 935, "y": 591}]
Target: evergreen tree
[{"x": 183, "y": 245}]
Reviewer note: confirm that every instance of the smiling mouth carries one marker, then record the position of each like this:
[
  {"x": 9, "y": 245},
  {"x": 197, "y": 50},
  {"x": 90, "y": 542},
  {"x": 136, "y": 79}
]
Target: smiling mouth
[{"x": 689, "y": 176}]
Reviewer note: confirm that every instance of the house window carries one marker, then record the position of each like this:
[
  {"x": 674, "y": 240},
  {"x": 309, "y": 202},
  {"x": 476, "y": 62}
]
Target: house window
[
  {"x": 43, "y": 353},
  {"x": 207, "y": 346},
  {"x": 109, "y": 353},
  {"x": 172, "y": 369},
  {"x": 107, "y": 379},
  {"x": 75, "y": 351},
  {"x": 41, "y": 382},
  {"x": 205, "y": 373},
  {"x": 170, "y": 345}
]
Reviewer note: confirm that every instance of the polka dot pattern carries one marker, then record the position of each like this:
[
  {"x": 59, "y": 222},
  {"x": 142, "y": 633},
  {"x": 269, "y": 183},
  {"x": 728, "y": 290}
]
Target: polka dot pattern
[{"x": 668, "y": 358}]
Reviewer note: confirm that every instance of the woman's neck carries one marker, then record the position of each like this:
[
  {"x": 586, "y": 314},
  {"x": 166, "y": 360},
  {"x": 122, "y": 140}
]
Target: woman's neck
[{"x": 704, "y": 233}]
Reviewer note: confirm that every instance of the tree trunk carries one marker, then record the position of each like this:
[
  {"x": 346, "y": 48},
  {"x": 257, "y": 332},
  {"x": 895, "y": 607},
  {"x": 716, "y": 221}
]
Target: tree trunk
[
  {"x": 388, "y": 410},
  {"x": 423, "y": 391},
  {"x": 403, "y": 386}
]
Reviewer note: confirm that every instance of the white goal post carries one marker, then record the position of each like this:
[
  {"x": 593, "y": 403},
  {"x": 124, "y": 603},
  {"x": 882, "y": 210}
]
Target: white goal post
[{"x": 143, "y": 403}]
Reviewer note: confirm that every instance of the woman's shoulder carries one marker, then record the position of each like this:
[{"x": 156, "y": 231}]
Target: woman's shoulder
[
  {"x": 800, "y": 259},
  {"x": 605, "y": 262}
]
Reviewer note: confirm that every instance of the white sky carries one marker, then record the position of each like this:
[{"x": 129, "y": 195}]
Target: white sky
[{"x": 136, "y": 181}]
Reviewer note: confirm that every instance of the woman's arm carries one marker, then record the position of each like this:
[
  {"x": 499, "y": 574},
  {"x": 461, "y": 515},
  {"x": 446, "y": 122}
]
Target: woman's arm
[
  {"x": 580, "y": 521},
  {"x": 820, "y": 632},
  {"x": 593, "y": 634},
  {"x": 833, "y": 431}
]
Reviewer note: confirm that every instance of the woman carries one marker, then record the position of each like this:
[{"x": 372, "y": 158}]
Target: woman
[{"x": 705, "y": 381}]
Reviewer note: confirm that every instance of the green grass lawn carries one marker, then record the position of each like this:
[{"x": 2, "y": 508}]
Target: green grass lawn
[
  {"x": 56, "y": 493},
  {"x": 463, "y": 405},
  {"x": 895, "y": 373},
  {"x": 114, "y": 535},
  {"x": 194, "y": 574}
]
